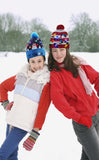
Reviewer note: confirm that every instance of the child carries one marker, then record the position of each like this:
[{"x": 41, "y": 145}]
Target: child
[
  {"x": 72, "y": 94},
  {"x": 31, "y": 100}
]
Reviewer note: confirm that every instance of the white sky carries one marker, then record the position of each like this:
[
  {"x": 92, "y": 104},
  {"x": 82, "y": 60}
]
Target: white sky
[{"x": 51, "y": 12}]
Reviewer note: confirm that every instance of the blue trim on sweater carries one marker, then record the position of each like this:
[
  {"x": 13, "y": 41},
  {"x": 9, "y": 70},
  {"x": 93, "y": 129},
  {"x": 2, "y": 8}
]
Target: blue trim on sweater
[{"x": 27, "y": 92}]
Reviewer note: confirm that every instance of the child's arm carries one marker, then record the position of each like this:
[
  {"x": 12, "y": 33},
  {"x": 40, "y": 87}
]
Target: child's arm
[
  {"x": 30, "y": 141},
  {"x": 44, "y": 104},
  {"x": 40, "y": 118},
  {"x": 5, "y": 86}
]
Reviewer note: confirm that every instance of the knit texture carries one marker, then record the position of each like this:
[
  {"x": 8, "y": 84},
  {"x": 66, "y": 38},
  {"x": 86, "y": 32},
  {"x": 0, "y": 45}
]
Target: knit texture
[
  {"x": 83, "y": 76},
  {"x": 69, "y": 95},
  {"x": 9, "y": 106},
  {"x": 5, "y": 86},
  {"x": 34, "y": 46},
  {"x": 5, "y": 103},
  {"x": 30, "y": 141},
  {"x": 9, "y": 85},
  {"x": 85, "y": 81},
  {"x": 59, "y": 38},
  {"x": 87, "y": 121},
  {"x": 28, "y": 90}
]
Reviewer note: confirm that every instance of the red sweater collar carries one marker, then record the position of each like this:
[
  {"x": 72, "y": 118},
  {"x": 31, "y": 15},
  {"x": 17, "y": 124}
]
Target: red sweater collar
[{"x": 60, "y": 64}]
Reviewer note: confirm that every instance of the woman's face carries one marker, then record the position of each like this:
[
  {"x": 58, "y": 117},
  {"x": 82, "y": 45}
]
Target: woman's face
[
  {"x": 59, "y": 54},
  {"x": 36, "y": 63}
]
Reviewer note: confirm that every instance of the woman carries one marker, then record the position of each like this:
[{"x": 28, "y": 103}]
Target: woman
[{"x": 72, "y": 94}]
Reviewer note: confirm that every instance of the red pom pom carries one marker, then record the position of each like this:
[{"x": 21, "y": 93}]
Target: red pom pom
[{"x": 60, "y": 27}]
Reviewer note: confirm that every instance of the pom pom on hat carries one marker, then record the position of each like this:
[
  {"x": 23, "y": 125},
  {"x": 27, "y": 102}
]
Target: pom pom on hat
[
  {"x": 59, "y": 38},
  {"x": 34, "y": 35},
  {"x": 60, "y": 27},
  {"x": 35, "y": 46}
]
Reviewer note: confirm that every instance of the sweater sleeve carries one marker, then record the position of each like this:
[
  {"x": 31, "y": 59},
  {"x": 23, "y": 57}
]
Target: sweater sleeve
[
  {"x": 5, "y": 86},
  {"x": 59, "y": 100},
  {"x": 43, "y": 107},
  {"x": 93, "y": 76}
]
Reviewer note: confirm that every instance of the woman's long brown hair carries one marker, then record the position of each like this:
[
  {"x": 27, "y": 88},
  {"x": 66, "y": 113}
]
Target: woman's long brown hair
[{"x": 68, "y": 63}]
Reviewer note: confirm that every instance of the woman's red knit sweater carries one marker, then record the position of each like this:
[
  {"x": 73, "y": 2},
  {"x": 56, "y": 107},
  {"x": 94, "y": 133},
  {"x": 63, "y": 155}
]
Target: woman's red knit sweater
[{"x": 69, "y": 96}]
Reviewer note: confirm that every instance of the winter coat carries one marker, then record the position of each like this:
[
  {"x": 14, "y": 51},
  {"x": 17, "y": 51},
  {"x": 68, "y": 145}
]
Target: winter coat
[
  {"x": 30, "y": 91},
  {"x": 69, "y": 96}
]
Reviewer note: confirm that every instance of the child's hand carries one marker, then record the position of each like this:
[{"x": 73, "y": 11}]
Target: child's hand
[
  {"x": 30, "y": 141},
  {"x": 9, "y": 106},
  {"x": 4, "y": 103}
]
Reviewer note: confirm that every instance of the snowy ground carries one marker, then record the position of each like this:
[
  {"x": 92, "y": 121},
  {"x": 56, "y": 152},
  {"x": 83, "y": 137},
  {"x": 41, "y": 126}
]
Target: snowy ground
[{"x": 57, "y": 140}]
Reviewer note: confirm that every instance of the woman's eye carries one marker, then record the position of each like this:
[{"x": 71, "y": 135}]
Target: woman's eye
[{"x": 54, "y": 51}]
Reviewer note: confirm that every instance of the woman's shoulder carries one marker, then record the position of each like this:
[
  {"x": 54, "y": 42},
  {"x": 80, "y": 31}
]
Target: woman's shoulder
[
  {"x": 56, "y": 74},
  {"x": 80, "y": 60}
]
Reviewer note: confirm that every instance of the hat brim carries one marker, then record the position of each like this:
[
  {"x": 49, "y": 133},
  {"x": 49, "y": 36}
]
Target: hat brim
[{"x": 35, "y": 52}]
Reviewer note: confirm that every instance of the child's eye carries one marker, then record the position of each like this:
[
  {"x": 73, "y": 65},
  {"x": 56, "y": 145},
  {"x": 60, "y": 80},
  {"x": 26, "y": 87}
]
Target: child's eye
[{"x": 61, "y": 49}]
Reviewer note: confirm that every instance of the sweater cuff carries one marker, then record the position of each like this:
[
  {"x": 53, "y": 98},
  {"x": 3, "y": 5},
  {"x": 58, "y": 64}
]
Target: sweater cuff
[{"x": 76, "y": 117}]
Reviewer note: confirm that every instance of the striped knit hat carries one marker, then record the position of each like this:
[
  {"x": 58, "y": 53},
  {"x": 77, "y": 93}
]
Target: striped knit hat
[
  {"x": 59, "y": 38},
  {"x": 35, "y": 46}
]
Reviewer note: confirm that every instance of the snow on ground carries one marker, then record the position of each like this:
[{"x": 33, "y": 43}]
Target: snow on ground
[{"x": 57, "y": 139}]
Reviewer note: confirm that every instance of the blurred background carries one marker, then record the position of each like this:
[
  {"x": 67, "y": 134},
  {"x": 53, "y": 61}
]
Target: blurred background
[{"x": 19, "y": 18}]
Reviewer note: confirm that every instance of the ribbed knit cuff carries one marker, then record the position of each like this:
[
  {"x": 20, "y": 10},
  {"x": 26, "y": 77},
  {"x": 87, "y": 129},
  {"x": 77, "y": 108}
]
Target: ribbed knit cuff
[{"x": 4, "y": 103}]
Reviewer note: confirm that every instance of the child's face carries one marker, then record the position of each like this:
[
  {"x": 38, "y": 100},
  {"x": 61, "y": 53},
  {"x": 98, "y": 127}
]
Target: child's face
[
  {"x": 36, "y": 63},
  {"x": 59, "y": 54}
]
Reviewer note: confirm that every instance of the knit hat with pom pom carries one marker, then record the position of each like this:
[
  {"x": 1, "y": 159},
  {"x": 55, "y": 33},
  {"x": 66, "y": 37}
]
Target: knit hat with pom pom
[
  {"x": 59, "y": 38},
  {"x": 34, "y": 46}
]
